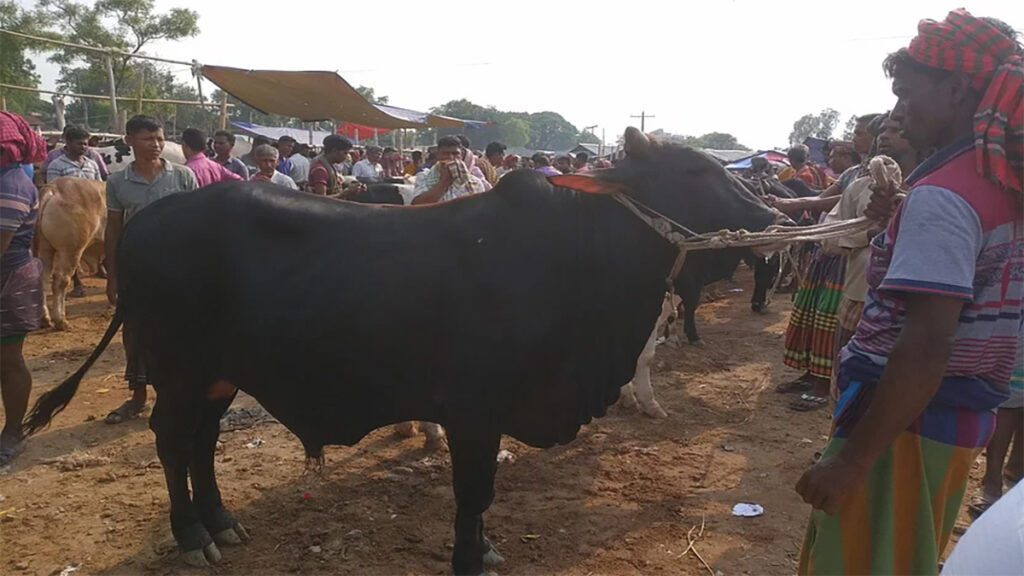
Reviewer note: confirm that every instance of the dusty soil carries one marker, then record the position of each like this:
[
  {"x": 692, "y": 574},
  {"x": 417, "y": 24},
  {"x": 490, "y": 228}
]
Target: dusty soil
[{"x": 621, "y": 499}]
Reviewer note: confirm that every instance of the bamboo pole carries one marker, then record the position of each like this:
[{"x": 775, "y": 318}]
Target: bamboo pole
[
  {"x": 94, "y": 49},
  {"x": 223, "y": 124},
  {"x": 103, "y": 97},
  {"x": 3, "y": 103},
  {"x": 113, "y": 97},
  {"x": 142, "y": 83}
]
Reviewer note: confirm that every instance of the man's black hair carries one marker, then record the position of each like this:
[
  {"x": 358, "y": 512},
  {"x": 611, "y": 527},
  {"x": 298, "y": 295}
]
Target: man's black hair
[
  {"x": 227, "y": 135},
  {"x": 541, "y": 160},
  {"x": 449, "y": 142},
  {"x": 259, "y": 141},
  {"x": 464, "y": 141},
  {"x": 142, "y": 122},
  {"x": 797, "y": 154},
  {"x": 494, "y": 149},
  {"x": 194, "y": 138},
  {"x": 75, "y": 133},
  {"x": 417, "y": 155},
  {"x": 337, "y": 142},
  {"x": 284, "y": 139}
]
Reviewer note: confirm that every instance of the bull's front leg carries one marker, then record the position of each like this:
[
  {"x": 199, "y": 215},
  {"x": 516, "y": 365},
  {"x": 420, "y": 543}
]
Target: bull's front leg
[{"x": 474, "y": 462}]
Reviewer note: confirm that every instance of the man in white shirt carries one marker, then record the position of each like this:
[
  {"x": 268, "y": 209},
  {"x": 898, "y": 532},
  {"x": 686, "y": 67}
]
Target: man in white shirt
[
  {"x": 266, "y": 165},
  {"x": 74, "y": 161},
  {"x": 369, "y": 169}
]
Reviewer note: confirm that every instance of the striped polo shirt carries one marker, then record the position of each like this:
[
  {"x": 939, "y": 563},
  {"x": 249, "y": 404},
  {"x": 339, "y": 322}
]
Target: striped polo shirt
[{"x": 957, "y": 234}]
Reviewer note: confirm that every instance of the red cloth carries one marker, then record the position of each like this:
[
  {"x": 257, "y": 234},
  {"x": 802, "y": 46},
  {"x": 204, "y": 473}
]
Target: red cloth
[
  {"x": 963, "y": 43},
  {"x": 19, "y": 143},
  {"x": 349, "y": 129}
]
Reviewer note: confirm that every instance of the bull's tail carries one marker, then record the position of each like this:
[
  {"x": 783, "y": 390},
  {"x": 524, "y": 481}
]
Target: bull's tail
[{"x": 51, "y": 403}]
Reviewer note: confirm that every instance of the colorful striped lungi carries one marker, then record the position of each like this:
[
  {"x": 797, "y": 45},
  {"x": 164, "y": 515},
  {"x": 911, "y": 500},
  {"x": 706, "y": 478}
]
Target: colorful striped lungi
[
  {"x": 810, "y": 336},
  {"x": 900, "y": 519}
]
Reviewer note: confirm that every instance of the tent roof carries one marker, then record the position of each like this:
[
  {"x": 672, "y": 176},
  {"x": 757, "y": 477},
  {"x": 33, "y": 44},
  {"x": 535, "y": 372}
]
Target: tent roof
[
  {"x": 274, "y": 133},
  {"x": 315, "y": 95}
]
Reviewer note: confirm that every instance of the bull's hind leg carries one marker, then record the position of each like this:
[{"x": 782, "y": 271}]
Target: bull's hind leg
[
  {"x": 474, "y": 462},
  {"x": 216, "y": 519},
  {"x": 64, "y": 266},
  {"x": 174, "y": 421}
]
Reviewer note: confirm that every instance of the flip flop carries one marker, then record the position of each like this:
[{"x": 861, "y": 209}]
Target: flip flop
[
  {"x": 125, "y": 412},
  {"x": 980, "y": 505},
  {"x": 808, "y": 403},
  {"x": 798, "y": 385}
]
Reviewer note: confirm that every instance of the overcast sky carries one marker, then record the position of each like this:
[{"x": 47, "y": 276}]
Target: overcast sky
[{"x": 745, "y": 67}]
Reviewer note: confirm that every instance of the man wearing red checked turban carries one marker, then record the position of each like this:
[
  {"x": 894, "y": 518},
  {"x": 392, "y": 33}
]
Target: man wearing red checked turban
[{"x": 936, "y": 347}]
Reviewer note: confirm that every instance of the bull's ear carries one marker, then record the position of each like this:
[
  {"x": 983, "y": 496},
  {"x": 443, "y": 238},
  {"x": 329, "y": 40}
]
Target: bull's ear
[{"x": 585, "y": 183}]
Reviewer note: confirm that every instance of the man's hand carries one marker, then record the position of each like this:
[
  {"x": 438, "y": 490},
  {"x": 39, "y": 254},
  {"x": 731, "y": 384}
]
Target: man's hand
[
  {"x": 829, "y": 484},
  {"x": 112, "y": 290},
  {"x": 446, "y": 176},
  {"x": 884, "y": 201}
]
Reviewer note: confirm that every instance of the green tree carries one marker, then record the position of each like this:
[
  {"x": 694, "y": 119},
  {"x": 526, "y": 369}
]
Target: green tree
[
  {"x": 820, "y": 125},
  {"x": 125, "y": 25},
  {"x": 15, "y": 67},
  {"x": 370, "y": 96},
  {"x": 515, "y": 132},
  {"x": 720, "y": 141},
  {"x": 851, "y": 124}
]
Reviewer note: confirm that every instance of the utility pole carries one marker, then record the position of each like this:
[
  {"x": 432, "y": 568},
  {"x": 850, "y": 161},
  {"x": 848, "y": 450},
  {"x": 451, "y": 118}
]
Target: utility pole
[{"x": 643, "y": 120}]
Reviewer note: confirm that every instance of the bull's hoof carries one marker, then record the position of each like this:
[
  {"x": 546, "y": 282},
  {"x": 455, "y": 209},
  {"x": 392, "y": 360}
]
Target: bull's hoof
[
  {"x": 654, "y": 411},
  {"x": 491, "y": 557},
  {"x": 759, "y": 308},
  {"x": 405, "y": 429},
  {"x": 627, "y": 401},
  {"x": 231, "y": 536},
  {"x": 699, "y": 342},
  {"x": 61, "y": 325},
  {"x": 437, "y": 444},
  {"x": 46, "y": 322},
  {"x": 202, "y": 557}
]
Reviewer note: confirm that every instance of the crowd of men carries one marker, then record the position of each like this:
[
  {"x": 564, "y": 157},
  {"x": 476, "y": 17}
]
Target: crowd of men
[{"x": 911, "y": 330}]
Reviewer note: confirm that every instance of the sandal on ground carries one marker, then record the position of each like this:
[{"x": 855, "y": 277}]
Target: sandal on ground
[
  {"x": 798, "y": 385},
  {"x": 808, "y": 403},
  {"x": 10, "y": 449},
  {"x": 980, "y": 504},
  {"x": 127, "y": 411}
]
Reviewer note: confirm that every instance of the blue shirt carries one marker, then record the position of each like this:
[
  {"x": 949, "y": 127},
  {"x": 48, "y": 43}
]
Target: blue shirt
[{"x": 19, "y": 207}]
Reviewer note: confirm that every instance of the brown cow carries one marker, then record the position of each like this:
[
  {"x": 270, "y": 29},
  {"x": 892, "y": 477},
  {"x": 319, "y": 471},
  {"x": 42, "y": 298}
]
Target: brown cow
[{"x": 72, "y": 216}]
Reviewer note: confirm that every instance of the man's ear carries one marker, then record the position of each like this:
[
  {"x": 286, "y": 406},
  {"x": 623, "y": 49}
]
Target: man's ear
[{"x": 586, "y": 184}]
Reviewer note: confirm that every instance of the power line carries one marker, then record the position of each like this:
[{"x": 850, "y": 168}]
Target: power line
[{"x": 643, "y": 120}]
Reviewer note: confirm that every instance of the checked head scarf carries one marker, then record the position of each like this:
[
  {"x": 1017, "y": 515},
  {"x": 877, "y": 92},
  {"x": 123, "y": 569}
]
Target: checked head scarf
[
  {"x": 964, "y": 43},
  {"x": 19, "y": 143}
]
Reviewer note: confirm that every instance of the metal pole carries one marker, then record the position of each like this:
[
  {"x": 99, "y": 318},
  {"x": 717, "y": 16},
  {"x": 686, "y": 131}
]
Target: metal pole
[{"x": 113, "y": 97}]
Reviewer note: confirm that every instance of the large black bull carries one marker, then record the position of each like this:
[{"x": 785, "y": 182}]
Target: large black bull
[
  {"x": 520, "y": 311},
  {"x": 703, "y": 267}
]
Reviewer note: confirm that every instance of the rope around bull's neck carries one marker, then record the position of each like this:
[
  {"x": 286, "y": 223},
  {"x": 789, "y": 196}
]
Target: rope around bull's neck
[{"x": 884, "y": 171}]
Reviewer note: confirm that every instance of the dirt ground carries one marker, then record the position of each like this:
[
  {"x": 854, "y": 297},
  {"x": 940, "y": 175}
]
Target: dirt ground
[{"x": 621, "y": 499}]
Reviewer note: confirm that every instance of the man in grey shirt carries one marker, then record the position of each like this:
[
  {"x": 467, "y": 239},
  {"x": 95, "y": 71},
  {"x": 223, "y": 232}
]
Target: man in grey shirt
[{"x": 147, "y": 179}]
